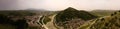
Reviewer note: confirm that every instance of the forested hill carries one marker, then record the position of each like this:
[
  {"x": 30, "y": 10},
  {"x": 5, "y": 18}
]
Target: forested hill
[
  {"x": 69, "y": 16},
  {"x": 71, "y": 13}
]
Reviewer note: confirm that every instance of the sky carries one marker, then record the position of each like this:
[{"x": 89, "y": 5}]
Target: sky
[
  {"x": 7, "y": 4},
  {"x": 56, "y": 5}
]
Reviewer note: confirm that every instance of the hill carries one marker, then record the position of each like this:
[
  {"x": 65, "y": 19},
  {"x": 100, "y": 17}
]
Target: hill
[
  {"x": 72, "y": 17},
  {"x": 102, "y": 12},
  {"x": 71, "y": 13},
  {"x": 107, "y": 22}
]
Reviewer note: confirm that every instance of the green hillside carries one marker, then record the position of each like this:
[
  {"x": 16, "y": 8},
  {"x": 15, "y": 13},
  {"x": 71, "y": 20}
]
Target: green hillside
[
  {"x": 107, "y": 22},
  {"x": 71, "y": 13},
  {"x": 71, "y": 18}
]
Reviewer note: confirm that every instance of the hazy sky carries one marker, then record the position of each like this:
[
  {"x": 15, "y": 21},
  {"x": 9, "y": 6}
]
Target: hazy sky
[
  {"x": 7, "y": 4},
  {"x": 62, "y": 4}
]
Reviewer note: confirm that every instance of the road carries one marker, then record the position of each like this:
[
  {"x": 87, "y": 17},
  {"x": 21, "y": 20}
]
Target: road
[
  {"x": 42, "y": 23},
  {"x": 50, "y": 24}
]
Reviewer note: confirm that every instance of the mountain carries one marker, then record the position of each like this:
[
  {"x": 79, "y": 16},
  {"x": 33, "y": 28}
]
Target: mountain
[
  {"x": 71, "y": 13},
  {"x": 70, "y": 16}
]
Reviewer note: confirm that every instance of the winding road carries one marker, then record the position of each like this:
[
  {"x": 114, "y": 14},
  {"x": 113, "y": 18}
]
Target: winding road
[
  {"x": 42, "y": 23},
  {"x": 50, "y": 24}
]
